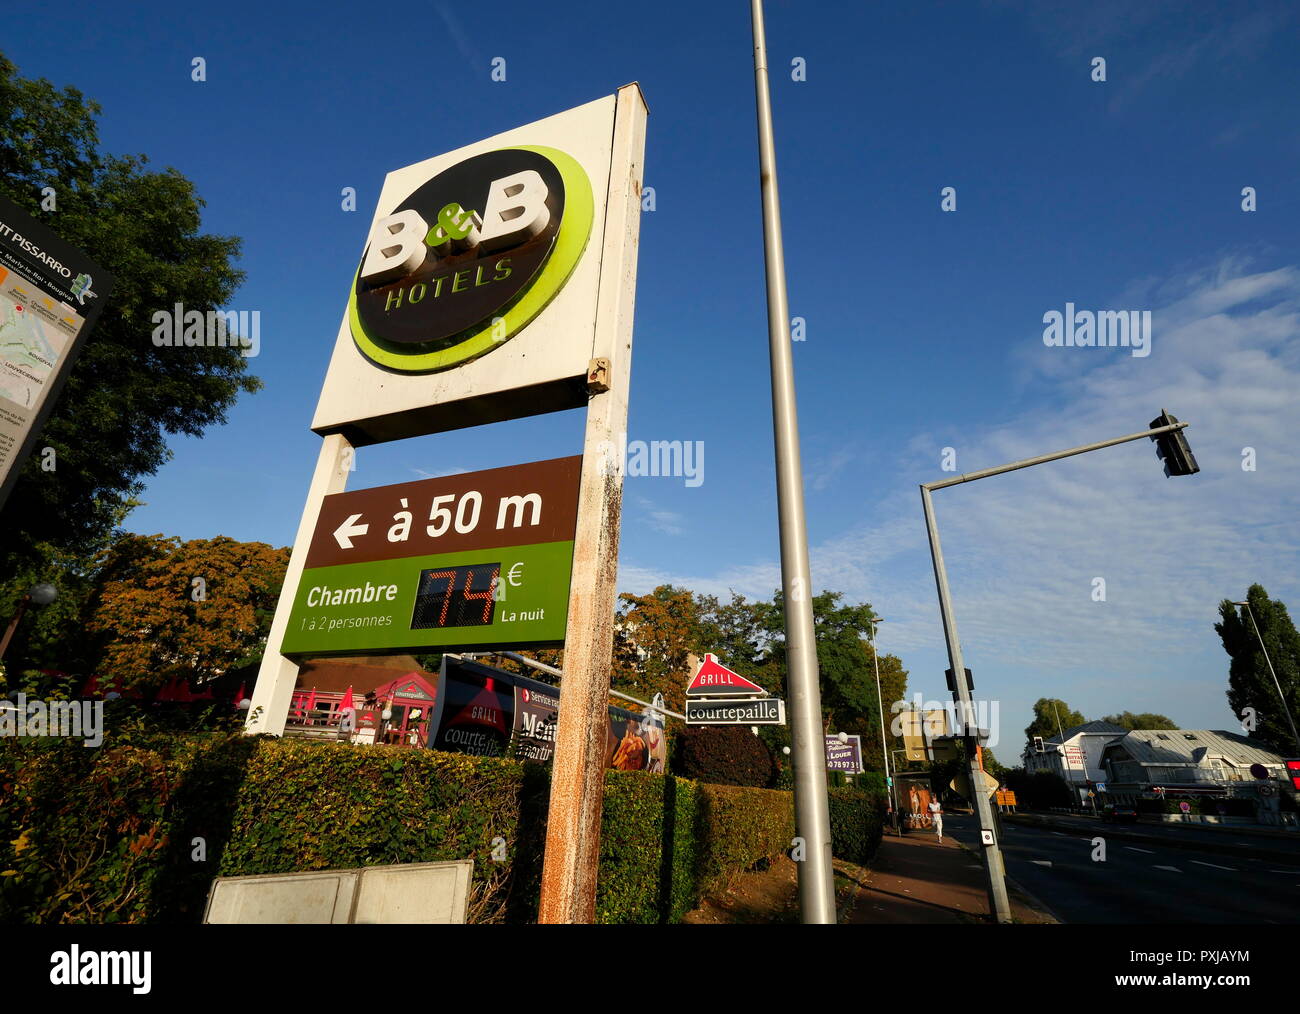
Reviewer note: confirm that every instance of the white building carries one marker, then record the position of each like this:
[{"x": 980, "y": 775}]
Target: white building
[
  {"x": 1190, "y": 758},
  {"x": 1078, "y": 757}
]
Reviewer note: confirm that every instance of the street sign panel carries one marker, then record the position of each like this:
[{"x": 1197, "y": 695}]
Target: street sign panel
[
  {"x": 713, "y": 679},
  {"x": 961, "y": 784},
  {"x": 481, "y": 559},
  {"x": 751, "y": 711}
]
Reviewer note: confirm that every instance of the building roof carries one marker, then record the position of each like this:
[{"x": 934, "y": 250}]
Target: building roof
[
  {"x": 1090, "y": 728},
  {"x": 1163, "y": 746}
]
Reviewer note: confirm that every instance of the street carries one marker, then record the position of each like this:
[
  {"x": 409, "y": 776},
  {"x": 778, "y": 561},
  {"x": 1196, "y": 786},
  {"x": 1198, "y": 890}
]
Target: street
[{"x": 1140, "y": 883}]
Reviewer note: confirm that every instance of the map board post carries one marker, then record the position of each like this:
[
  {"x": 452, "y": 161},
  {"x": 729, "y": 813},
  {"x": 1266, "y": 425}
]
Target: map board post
[{"x": 50, "y": 296}]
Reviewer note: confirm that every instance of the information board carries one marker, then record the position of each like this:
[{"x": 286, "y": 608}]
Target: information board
[
  {"x": 477, "y": 560},
  {"x": 50, "y": 295}
]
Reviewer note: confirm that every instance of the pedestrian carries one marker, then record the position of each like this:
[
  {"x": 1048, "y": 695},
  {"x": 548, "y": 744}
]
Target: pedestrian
[{"x": 936, "y": 815}]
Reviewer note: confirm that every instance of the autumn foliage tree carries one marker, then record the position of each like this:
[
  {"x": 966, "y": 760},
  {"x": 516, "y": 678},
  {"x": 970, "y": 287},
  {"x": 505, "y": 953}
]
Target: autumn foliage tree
[{"x": 166, "y": 608}]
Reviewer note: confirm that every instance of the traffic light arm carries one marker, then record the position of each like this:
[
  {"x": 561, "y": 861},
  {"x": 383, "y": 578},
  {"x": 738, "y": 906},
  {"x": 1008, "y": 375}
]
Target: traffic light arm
[
  {"x": 999, "y": 905},
  {"x": 985, "y": 473}
]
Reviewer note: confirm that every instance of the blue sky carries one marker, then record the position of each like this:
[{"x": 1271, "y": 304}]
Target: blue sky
[{"x": 924, "y": 328}]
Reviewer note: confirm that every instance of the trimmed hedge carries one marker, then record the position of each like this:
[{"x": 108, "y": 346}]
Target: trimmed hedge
[
  {"x": 108, "y": 835},
  {"x": 857, "y": 822},
  {"x": 722, "y": 755}
]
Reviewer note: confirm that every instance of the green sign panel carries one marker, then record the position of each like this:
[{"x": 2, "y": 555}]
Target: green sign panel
[
  {"x": 473, "y": 561},
  {"x": 517, "y": 595}
]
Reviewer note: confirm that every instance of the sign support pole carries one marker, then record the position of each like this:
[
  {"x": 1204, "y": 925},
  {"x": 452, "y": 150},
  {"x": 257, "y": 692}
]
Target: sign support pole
[
  {"x": 276, "y": 678},
  {"x": 568, "y": 892},
  {"x": 812, "y": 808}
]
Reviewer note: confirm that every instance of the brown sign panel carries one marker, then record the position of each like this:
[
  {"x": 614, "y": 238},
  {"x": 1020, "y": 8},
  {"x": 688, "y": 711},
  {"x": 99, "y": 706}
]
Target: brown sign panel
[{"x": 517, "y": 505}]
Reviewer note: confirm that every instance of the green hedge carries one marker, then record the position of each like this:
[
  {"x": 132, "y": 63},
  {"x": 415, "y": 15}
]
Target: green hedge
[
  {"x": 107, "y": 835},
  {"x": 857, "y": 822}
]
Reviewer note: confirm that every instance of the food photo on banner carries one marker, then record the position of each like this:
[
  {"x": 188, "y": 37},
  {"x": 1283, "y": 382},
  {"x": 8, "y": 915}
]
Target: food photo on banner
[{"x": 482, "y": 710}]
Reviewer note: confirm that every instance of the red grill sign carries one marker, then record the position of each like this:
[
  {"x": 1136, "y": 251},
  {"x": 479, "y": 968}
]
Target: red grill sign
[{"x": 713, "y": 679}]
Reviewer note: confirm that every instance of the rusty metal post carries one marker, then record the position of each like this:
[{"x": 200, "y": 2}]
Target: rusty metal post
[{"x": 578, "y": 768}]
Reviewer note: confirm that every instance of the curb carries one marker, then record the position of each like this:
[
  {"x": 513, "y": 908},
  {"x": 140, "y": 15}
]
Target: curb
[{"x": 1115, "y": 831}]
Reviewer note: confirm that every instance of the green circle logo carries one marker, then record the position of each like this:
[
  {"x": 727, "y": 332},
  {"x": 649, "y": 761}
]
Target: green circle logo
[{"x": 470, "y": 258}]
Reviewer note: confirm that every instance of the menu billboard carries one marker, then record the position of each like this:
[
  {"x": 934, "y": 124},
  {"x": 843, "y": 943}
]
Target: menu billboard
[{"x": 483, "y": 710}]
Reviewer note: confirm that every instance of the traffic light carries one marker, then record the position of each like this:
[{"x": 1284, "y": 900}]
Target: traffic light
[
  {"x": 1172, "y": 447},
  {"x": 1038, "y": 744},
  {"x": 1292, "y": 766},
  {"x": 952, "y": 684}
]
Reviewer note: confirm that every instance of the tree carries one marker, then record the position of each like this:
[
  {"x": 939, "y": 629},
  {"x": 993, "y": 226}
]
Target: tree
[
  {"x": 653, "y": 637},
  {"x": 1252, "y": 694},
  {"x": 991, "y": 764},
  {"x": 847, "y": 676},
  {"x": 848, "y": 682},
  {"x": 54, "y": 636},
  {"x": 1046, "y": 712},
  {"x": 195, "y": 610},
  {"x": 124, "y": 396},
  {"x": 1144, "y": 720}
]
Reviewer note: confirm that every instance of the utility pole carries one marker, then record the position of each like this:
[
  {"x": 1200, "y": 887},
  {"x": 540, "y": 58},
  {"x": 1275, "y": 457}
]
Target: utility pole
[{"x": 812, "y": 810}]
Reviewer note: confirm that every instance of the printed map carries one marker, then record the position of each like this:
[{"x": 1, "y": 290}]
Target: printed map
[{"x": 31, "y": 345}]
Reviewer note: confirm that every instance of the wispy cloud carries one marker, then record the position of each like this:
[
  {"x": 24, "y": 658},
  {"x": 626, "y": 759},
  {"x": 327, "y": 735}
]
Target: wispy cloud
[{"x": 1023, "y": 549}]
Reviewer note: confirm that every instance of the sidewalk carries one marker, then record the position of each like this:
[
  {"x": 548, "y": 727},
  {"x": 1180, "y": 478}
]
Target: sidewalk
[{"x": 914, "y": 879}]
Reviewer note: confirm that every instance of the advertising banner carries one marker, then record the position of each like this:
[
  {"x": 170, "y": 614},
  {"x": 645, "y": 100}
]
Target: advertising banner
[
  {"x": 482, "y": 710},
  {"x": 845, "y": 757},
  {"x": 477, "y": 560},
  {"x": 50, "y": 295},
  {"x": 914, "y": 800}
]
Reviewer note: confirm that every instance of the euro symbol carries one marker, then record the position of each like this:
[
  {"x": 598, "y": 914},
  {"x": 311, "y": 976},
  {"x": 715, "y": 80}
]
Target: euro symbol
[{"x": 515, "y": 579}]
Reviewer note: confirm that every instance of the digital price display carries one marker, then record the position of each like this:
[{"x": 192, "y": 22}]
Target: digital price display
[{"x": 462, "y": 596}]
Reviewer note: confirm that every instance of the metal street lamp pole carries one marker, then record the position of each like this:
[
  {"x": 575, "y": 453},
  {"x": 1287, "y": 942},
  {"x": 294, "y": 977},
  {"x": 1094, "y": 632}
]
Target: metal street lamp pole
[
  {"x": 884, "y": 745},
  {"x": 812, "y": 809},
  {"x": 41, "y": 595},
  {"x": 999, "y": 907},
  {"x": 1285, "y": 707}
]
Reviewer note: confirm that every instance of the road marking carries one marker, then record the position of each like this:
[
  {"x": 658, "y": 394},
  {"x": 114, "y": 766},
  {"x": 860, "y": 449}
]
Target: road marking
[
  {"x": 1132, "y": 849},
  {"x": 1041, "y": 862},
  {"x": 1285, "y": 873},
  {"x": 1213, "y": 866},
  {"x": 1171, "y": 869},
  {"x": 1061, "y": 833}
]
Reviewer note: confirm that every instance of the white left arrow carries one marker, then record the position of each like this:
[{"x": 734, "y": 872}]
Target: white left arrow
[{"x": 344, "y": 532}]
